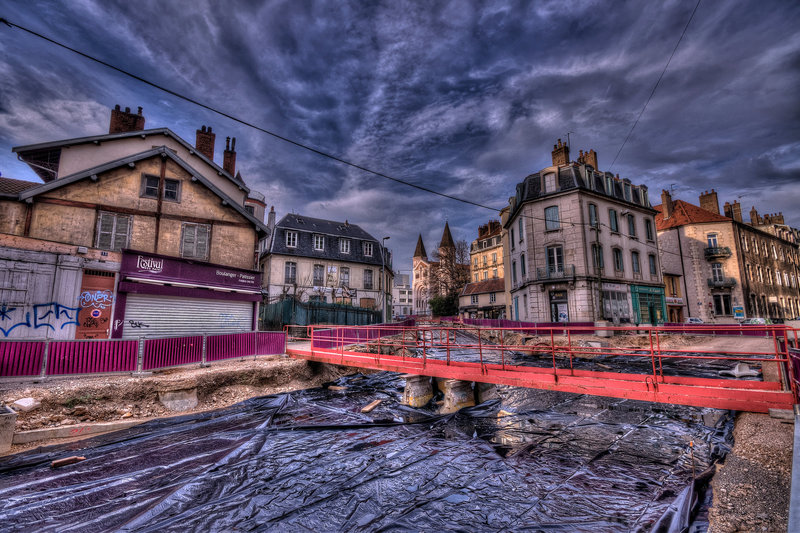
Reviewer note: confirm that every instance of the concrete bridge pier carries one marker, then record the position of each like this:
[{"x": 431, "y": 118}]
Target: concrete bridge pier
[
  {"x": 457, "y": 394},
  {"x": 485, "y": 392},
  {"x": 418, "y": 391}
]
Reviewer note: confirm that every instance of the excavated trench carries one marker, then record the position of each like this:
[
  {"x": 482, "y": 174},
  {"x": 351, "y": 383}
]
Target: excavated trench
[{"x": 311, "y": 460}]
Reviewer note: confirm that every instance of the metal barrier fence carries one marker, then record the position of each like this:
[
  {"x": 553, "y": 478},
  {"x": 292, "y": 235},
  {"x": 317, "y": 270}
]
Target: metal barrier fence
[
  {"x": 720, "y": 329},
  {"x": 338, "y": 336},
  {"x": 531, "y": 328},
  {"x": 30, "y": 358}
]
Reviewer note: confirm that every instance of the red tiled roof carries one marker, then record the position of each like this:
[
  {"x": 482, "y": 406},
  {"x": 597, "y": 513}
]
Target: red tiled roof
[
  {"x": 12, "y": 186},
  {"x": 481, "y": 287},
  {"x": 685, "y": 213}
]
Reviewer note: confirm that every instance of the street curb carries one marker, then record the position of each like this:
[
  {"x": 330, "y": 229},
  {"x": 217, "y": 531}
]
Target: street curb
[
  {"x": 77, "y": 430},
  {"x": 794, "y": 498}
]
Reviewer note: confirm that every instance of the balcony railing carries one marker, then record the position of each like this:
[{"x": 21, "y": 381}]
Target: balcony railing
[
  {"x": 713, "y": 252},
  {"x": 566, "y": 271},
  {"x": 722, "y": 283}
]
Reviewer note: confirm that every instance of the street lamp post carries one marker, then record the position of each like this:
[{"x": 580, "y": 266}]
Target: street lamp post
[{"x": 383, "y": 279}]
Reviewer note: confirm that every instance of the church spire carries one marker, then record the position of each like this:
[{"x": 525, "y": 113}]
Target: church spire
[
  {"x": 420, "y": 251},
  {"x": 447, "y": 238}
]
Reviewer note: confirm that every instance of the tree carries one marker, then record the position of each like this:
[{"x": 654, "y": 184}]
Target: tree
[
  {"x": 445, "y": 305},
  {"x": 452, "y": 272}
]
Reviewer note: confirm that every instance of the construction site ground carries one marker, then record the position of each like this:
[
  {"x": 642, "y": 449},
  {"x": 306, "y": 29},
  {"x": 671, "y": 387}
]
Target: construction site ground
[{"x": 750, "y": 490}]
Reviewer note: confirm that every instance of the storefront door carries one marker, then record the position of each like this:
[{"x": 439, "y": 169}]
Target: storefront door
[
  {"x": 559, "y": 310},
  {"x": 95, "y": 301}
]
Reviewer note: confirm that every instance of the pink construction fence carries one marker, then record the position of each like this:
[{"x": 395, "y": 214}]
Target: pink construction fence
[{"x": 29, "y": 358}]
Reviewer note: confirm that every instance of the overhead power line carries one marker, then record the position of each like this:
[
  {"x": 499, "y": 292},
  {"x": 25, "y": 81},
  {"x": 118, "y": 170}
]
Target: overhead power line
[
  {"x": 656, "y": 85},
  {"x": 291, "y": 141},
  {"x": 244, "y": 122}
]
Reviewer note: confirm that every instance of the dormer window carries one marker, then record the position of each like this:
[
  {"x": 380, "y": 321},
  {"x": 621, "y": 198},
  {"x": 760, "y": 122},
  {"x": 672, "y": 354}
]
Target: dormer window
[
  {"x": 368, "y": 249},
  {"x": 291, "y": 239},
  {"x": 344, "y": 246},
  {"x": 550, "y": 182},
  {"x": 319, "y": 242}
]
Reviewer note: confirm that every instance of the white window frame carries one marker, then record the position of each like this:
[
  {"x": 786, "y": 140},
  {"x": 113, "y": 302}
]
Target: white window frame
[
  {"x": 291, "y": 239},
  {"x": 344, "y": 246},
  {"x": 319, "y": 242},
  {"x": 368, "y": 249}
]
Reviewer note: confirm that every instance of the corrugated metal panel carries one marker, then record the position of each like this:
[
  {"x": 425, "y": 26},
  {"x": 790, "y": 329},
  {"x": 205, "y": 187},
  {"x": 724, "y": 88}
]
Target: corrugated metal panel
[{"x": 149, "y": 315}]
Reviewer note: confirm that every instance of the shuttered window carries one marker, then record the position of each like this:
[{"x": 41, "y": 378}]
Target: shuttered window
[
  {"x": 113, "y": 231},
  {"x": 194, "y": 241}
]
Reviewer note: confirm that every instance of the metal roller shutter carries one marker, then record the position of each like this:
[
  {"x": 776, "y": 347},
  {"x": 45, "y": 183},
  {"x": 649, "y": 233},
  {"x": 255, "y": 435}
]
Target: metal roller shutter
[{"x": 165, "y": 316}]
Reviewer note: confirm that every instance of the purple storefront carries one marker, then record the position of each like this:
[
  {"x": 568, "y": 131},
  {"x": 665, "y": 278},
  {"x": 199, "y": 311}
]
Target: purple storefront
[{"x": 166, "y": 296}]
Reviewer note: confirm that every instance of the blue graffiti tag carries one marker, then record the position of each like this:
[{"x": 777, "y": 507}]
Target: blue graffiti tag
[
  {"x": 97, "y": 299},
  {"x": 18, "y": 324},
  {"x": 57, "y": 309},
  {"x": 4, "y": 312}
]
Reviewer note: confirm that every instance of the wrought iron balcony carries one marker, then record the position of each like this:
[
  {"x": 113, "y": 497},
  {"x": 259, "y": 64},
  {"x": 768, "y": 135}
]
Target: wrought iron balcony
[
  {"x": 722, "y": 283},
  {"x": 566, "y": 271},
  {"x": 714, "y": 252}
]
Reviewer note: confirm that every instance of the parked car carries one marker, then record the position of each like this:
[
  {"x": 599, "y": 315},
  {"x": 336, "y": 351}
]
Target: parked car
[
  {"x": 694, "y": 320},
  {"x": 756, "y": 321}
]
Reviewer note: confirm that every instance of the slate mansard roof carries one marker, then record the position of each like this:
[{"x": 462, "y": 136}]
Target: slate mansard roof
[
  {"x": 333, "y": 232},
  {"x": 575, "y": 177}
]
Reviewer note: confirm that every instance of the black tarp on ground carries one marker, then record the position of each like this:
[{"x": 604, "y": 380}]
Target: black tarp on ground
[{"x": 310, "y": 461}]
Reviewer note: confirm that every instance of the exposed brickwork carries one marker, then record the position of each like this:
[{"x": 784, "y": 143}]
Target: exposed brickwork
[
  {"x": 204, "y": 142},
  {"x": 560, "y": 154},
  {"x": 123, "y": 121},
  {"x": 229, "y": 157},
  {"x": 710, "y": 202}
]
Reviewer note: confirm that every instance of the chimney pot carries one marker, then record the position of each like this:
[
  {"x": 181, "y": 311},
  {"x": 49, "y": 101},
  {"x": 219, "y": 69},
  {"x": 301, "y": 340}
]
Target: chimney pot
[{"x": 125, "y": 121}]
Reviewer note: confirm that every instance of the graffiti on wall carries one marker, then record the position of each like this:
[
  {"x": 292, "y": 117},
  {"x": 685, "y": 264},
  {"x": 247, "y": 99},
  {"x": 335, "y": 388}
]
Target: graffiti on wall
[
  {"x": 96, "y": 299},
  {"x": 51, "y": 315}
]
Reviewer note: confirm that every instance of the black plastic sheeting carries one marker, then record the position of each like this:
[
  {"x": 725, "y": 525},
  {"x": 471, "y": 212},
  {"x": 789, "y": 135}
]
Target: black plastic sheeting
[{"x": 311, "y": 461}]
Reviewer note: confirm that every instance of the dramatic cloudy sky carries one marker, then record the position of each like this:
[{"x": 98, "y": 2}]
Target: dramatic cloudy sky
[{"x": 463, "y": 97}]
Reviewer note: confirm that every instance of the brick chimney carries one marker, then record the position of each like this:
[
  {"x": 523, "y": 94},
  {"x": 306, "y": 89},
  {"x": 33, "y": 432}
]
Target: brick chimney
[
  {"x": 666, "y": 204},
  {"x": 709, "y": 201},
  {"x": 204, "y": 142},
  {"x": 737, "y": 211},
  {"x": 588, "y": 158},
  {"x": 229, "y": 156},
  {"x": 755, "y": 220},
  {"x": 122, "y": 121},
  {"x": 560, "y": 154}
]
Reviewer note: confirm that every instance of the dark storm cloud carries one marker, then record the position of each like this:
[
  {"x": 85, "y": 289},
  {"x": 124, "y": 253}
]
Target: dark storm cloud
[{"x": 463, "y": 97}]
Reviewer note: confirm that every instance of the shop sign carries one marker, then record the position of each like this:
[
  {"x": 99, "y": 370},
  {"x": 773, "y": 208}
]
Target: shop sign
[
  {"x": 738, "y": 311},
  {"x": 615, "y": 287},
  {"x": 644, "y": 289},
  {"x": 556, "y": 296},
  {"x": 674, "y": 301},
  {"x": 166, "y": 269}
]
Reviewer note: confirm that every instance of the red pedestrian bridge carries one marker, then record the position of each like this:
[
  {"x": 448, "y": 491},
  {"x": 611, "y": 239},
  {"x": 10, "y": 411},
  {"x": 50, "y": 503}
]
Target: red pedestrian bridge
[{"x": 645, "y": 363}]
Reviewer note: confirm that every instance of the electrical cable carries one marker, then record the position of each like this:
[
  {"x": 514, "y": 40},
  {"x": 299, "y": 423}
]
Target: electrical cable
[
  {"x": 655, "y": 86},
  {"x": 246, "y": 123}
]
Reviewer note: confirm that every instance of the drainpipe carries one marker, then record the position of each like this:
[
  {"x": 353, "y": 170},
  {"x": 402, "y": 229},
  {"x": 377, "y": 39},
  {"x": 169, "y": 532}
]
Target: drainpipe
[{"x": 683, "y": 271}]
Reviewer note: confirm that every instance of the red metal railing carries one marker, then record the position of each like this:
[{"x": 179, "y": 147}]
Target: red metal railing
[
  {"x": 21, "y": 358},
  {"x": 91, "y": 356},
  {"x": 562, "y": 359}
]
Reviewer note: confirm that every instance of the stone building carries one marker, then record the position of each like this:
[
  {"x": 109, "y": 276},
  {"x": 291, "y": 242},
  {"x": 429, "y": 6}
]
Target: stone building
[
  {"x": 483, "y": 299},
  {"x": 486, "y": 253},
  {"x": 448, "y": 274},
  {"x": 728, "y": 268},
  {"x": 133, "y": 233},
  {"x": 402, "y": 296},
  {"x": 581, "y": 245},
  {"x": 322, "y": 260}
]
